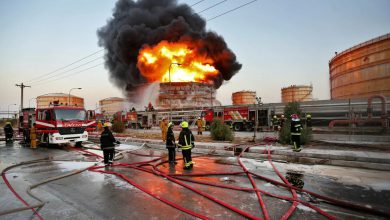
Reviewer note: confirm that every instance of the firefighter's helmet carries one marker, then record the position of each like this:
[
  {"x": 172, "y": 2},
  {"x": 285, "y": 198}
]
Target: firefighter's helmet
[
  {"x": 170, "y": 124},
  {"x": 8, "y": 123},
  {"x": 184, "y": 124},
  {"x": 295, "y": 116},
  {"x": 107, "y": 124}
]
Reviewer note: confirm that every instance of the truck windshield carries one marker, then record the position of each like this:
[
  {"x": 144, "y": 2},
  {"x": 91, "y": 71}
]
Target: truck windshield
[{"x": 69, "y": 114}]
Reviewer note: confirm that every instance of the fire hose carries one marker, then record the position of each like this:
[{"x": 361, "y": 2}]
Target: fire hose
[
  {"x": 31, "y": 187},
  {"x": 178, "y": 179},
  {"x": 289, "y": 186}
]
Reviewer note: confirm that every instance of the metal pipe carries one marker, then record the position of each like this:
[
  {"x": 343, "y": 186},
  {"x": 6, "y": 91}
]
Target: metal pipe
[{"x": 355, "y": 120}]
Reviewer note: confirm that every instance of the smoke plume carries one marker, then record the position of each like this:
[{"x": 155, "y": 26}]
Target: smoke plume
[{"x": 136, "y": 24}]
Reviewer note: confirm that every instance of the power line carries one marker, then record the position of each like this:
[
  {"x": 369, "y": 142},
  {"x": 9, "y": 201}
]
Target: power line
[
  {"x": 197, "y": 2},
  {"x": 231, "y": 10},
  {"x": 212, "y": 6},
  {"x": 71, "y": 74},
  {"x": 61, "y": 73},
  {"x": 61, "y": 68}
]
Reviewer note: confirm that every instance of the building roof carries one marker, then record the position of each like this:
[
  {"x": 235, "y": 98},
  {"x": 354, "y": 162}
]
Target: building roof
[
  {"x": 57, "y": 95},
  {"x": 113, "y": 99}
]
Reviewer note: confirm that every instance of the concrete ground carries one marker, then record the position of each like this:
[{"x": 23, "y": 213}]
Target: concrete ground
[{"x": 92, "y": 195}]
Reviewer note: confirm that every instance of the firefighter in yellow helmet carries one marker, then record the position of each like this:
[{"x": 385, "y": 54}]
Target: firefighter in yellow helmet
[
  {"x": 199, "y": 124},
  {"x": 275, "y": 123},
  {"x": 107, "y": 144},
  {"x": 186, "y": 143},
  {"x": 99, "y": 126}
]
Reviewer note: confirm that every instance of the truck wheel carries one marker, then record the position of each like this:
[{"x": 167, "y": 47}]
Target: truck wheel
[
  {"x": 78, "y": 144},
  {"x": 207, "y": 127},
  {"x": 45, "y": 140},
  {"x": 237, "y": 127}
]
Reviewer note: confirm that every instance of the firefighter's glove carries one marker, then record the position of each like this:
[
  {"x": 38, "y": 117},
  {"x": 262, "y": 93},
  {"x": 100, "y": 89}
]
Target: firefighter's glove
[
  {"x": 117, "y": 142},
  {"x": 193, "y": 145}
]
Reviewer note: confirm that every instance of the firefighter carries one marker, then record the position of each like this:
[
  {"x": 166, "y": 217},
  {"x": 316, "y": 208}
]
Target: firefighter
[
  {"x": 100, "y": 126},
  {"x": 171, "y": 145},
  {"x": 9, "y": 132},
  {"x": 186, "y": 143},
  {"x": 107, "y": 144},
  {"x": 164, "y": 129},
  {"x": 204, "y": 123},
  {"x": 308, "y": 121},
  {"x": 282, "y": 121},
  {"x": 275, "y": 123},
  {"x": 199, "y": 124},
  {"x": 295, "y": 129},
  {"x": 33, "y": 136}
]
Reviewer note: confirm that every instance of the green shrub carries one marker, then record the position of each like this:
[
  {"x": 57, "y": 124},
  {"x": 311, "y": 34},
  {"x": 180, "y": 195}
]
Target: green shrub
[
  {"x": 118, "y": 127},
  {"x": 220, "y": 132},
  {"x": 284, "y": 134},
  {"x": 306, "y": 135}
]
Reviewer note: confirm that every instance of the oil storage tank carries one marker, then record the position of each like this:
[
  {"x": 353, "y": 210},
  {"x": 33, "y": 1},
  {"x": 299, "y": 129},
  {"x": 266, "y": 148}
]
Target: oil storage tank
[
  {"x": 244, "y": 97},
  {"x": 111, "y": 105},
  {"x": 46, "y": 100},
  {"x": 361, "y": 71},
  {"x": 297, "y": 93}
]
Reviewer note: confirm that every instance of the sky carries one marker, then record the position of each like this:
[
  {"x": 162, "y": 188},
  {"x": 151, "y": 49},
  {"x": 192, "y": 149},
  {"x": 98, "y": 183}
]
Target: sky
[{"x": 279, "y": 43}]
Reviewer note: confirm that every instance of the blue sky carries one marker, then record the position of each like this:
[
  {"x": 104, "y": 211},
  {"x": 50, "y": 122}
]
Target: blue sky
[{"x": 279, "y": 43}]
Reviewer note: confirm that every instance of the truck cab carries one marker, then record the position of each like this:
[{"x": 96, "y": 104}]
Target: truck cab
[{"x": 62, "y": 124}]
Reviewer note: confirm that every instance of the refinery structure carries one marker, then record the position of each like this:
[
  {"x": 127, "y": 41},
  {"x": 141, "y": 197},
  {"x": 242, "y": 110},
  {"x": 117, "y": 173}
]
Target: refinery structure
[{"x": 359, "y": 88}]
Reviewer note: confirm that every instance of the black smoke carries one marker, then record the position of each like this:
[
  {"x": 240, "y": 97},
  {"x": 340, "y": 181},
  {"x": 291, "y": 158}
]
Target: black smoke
[{"x": 147, "y": 22}]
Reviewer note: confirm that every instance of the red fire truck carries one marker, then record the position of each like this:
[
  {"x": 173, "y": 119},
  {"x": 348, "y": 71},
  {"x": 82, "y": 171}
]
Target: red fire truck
[
  {"x": 239, "y": 118},
  {"x": 57, "y": 124}
]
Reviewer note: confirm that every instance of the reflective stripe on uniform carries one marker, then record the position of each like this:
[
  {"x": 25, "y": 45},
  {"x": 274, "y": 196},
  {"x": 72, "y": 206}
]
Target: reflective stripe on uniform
[
  {"x": 187, "y": 146},
  {"x": 293, "y": 133}
]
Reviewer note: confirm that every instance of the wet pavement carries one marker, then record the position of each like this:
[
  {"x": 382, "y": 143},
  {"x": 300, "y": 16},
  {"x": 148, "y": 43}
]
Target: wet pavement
[{"x": 94, "y": 195}]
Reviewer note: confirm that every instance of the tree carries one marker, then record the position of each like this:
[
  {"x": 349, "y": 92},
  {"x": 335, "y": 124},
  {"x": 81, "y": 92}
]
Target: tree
[
  {"x": 221, "y": 132},
  {"x": 118, "y": 127}
]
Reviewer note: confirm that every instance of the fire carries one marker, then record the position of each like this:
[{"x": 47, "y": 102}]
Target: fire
[{"x": 175, "y": 62}]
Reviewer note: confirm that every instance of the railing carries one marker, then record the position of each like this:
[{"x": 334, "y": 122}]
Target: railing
[{"x": 377, "y": 39}]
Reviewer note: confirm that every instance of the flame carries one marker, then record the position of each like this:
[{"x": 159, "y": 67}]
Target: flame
[{"x": 175, "y": 62}]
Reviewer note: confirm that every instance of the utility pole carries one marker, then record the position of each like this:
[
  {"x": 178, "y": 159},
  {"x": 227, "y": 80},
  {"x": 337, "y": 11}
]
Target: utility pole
[{"x": 22, "y": 86}]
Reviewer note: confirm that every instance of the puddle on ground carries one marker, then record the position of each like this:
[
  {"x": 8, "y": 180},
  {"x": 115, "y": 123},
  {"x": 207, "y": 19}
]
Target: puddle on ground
[{"x": 69, "y": 166}]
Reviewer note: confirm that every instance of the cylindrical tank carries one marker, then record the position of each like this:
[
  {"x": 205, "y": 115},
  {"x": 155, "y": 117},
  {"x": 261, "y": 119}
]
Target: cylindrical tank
[
  {"x": 50, "y": 99},
  {"x": 296, "y": 93},
  {"x": 362, "y": 70},
  {"x": 244, "y": 98},
  {"x": 112, "y": 105}
]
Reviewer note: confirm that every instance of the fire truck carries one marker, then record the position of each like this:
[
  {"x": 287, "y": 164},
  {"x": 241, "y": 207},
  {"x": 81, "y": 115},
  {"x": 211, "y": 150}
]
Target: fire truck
[
  {"x": 57, "y": 124},
  {"x": 239, "y": 118}
]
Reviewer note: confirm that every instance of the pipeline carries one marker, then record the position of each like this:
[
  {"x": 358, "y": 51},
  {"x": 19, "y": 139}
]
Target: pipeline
[{"x": 383, "y": 119}]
